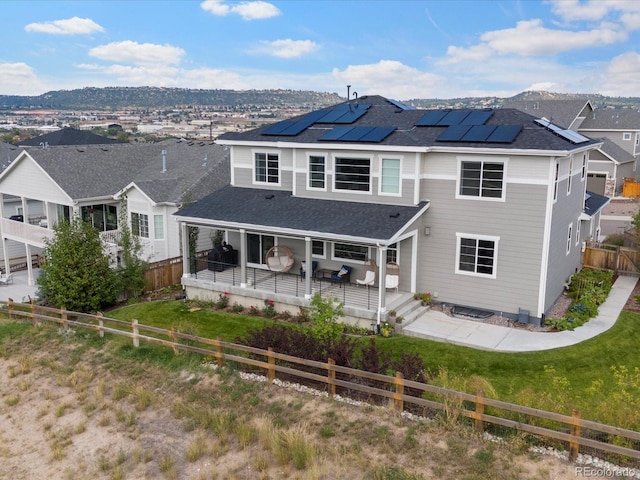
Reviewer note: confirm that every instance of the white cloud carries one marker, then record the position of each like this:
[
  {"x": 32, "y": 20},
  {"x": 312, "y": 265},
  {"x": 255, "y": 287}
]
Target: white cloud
[
  {"x": 531, "y": 38},
  {"x": 390, "y": 78},
  {"x": 622, "y": 76},
  {"x": 592, "y": 10},
  {"x": 253, "y": 10},
  {"x": 70, "y": 26},
  {"x": 138, "y": 53},
  {"x": 631, "y": 20},
  {"x": 19, "y": 79},
  {"x": 286, "y": 48}
]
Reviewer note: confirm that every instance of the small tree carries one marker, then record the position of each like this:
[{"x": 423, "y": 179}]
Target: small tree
[
  {"x": 132, "y": 267},
  {"x": 324, "y": 317},
  {"x": 76, "y": 274}
]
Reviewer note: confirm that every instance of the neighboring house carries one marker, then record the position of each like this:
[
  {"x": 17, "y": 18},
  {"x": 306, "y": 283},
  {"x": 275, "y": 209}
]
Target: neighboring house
[
  {"x": 483, "y": 208},
  {"x": 68, "y": 136},
  {"x": 619, "y": 129},
  {"x": 91, "y": 181}
]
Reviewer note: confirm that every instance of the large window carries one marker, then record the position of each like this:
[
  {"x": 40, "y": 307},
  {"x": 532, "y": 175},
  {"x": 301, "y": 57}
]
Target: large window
[
  {"x": 477, "y": 255},
  {"x": 267, "y": 168},
  {"x": 140, "y": 224},
  {"x": 481, "y": 179},
  {"x": 158, "y": 227},
  {"x": 353, "y": 174},
  {"x": 316, "y": 171},
  {"x": 345, "y": 251},
  {"x": 258, "y": 246},
  {"x": 390, "y": 181}
]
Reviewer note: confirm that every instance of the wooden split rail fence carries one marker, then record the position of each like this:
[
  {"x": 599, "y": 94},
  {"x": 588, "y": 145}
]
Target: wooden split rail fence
[{"x": 570, "y": 429}]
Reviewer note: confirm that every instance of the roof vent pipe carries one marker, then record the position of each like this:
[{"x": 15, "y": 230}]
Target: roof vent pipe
[{"x": 164, "y": 161}]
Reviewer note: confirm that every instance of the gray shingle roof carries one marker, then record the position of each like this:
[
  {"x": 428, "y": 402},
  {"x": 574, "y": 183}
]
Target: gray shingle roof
[
  {"x": 383, "y": 113},
  {"x": 615, "y": 151},
  {"x": 101, "y": 171},
  {"x": 594, "y": 202},
  {"x": 560, "y": 112},
  {"x": 610, "y": 119},
  {"x": 269, "y": 209},
  {"x": 8, "y": 153},
  {"x": 69, "y": 136}
]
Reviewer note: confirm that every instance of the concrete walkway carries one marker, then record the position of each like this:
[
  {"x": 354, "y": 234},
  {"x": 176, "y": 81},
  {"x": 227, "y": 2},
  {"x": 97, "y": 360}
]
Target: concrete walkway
[
  {"x": 19, "y": 290},
  {"x": 475, "y": 334}
]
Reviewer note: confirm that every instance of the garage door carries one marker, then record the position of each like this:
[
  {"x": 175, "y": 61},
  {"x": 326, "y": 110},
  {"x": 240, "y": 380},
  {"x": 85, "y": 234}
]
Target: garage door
[{"x": 596, "y": 183}]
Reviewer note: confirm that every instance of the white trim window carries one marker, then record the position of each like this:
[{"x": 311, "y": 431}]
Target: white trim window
[
  {"x": 570, "y": 175},
  {"x": 350, "y": 252},
  {"x": 481, "y": 179},
  {"x": 584, "y": 168},
  {"x": 569, "y": 235},
  {"x": 318, "y": 249},
  {"x": 476, "y": 255},
  {"x": 317, "y": 172},
  {"x": 392, "y": 253},
  {"x": 626, "y": 136},
  {"x": 140, "y": 224},
  {"x": 390, "y": 169},
  {"x": 353, "y": 174},
  {"x": 578, "y": 233},
  {"x": 158, "y": 227},
  {"x": 266, "y": 168},
  {"x": 555, "y": 182}
]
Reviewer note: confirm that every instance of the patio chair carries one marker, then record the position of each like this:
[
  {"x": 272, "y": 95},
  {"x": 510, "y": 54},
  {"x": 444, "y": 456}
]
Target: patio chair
[
  {"x": 303, "y": 269},
  {"x": 392, "y": 279},
  {"x": 6, "y": 279},
  {"x": 280, "y": 259},
  {"x": 343, "y": 275},
  {"x": 369, "y": 273}
]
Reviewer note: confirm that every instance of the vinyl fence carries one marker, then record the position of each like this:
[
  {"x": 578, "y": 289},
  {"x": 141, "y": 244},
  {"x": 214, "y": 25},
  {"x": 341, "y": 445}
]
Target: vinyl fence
[{"x": 572, "y": 430}]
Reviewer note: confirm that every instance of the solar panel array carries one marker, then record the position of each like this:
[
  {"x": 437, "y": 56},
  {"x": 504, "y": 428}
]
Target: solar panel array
[
  {"x": 344, "y": 113},
  {"x": 446, "y": 118},
  {"x": 573, "y": 137},
  {"x": 480, "y": 133},
  {"x": 357, "y": 134}
]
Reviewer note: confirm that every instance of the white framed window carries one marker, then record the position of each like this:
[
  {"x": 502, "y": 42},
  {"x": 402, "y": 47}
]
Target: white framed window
[
  {"x": 392, "y": 253},
  {"x": 626, "y": 136},
  {"x": 578, "y": 225},
  {"x": 352, "y": 253},
  {"x": 481, "y": 179},
  {"x": 158, "y": 227},
  {"x": 570, "y": 175},
  {"x": 318, "y": 249},
  {"x": 353, "y": 174},
  {"x": 569, "y": 235},
  {"x": 555, "y": 182},
  {"x": 266, "y": 168},
  {"x": 584, "y": 167},
  {"x": 317, "y": 172},
  {"x": 476, "y": 255},
  {"x": 140, "y": 224},
  {"x": 390, "y": 176}
]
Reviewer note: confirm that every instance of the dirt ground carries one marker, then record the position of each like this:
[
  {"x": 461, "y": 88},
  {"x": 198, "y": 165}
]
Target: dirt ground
[{"x": 69, "y": 412}]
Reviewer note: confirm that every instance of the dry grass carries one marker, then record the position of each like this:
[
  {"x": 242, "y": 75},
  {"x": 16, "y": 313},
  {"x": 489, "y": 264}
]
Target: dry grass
[{"x": 102, "y": 415}]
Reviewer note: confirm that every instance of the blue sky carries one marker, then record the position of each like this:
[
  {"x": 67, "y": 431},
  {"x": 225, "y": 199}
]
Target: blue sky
[{"x": 399, "y": 49}]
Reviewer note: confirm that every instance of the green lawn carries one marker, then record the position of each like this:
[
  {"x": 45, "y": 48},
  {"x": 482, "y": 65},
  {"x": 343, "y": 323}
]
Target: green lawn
[{"x": 576, "y": 367}]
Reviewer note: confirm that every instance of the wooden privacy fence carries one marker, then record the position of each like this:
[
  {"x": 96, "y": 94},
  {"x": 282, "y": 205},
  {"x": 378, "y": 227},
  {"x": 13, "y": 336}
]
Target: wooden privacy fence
[
  {"x": 570, "y": 429},
  {"x": 165, "y": 273},
  {"x": 622, "y": 260}
]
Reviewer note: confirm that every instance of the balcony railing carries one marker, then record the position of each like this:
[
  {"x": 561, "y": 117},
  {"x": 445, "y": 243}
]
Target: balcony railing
[{"x": 25, "y": 232}]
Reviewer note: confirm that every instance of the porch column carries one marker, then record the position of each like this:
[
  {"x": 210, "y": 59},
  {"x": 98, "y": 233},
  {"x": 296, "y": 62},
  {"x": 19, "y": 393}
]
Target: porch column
[
  {"x": 25, "y": 210},
  {"x": 243, "y": 258},
  {"x": 30, "y": 279},
  {"x": 309, "y": 267},
  {"x": 4, "y": 242},
  {"x": 186, "y": 272},
  {"x": 382, "y": 291}
]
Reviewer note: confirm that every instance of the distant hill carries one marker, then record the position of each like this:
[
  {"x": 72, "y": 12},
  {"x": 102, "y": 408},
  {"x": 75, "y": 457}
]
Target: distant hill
[{"x": 123, "y": 98}]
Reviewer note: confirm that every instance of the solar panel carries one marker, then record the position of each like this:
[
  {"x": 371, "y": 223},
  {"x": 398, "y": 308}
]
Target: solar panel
[
  {"x": 401, "y": 105},
  {"x": 478, "y": 133},
  {"x": 276, "y": 128},
  {"x": 356, "y": 133},
  {"x": 335, "y": 133},
  {"x": 573, "y": 137},
  {"x": 344, "y": 113},
  {"x": 504, "y": 134},
  {"x": 291, "y": 128},
  {"x": 454, "y": 133},
  {"x": 378, "y": 134},
  {"x": 477, "y": 117},
  {"x": 431, "y": 119},
  {"x": 454, "y": 117}
]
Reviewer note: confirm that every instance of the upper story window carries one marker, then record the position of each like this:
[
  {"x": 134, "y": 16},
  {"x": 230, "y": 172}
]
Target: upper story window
[
  {"x": 569, "y": 235},
  {"x": 570, "y": 175},
  {"x": 353, "y": 174},
  {"x": 584, "y": 167},
  {"x": 140, "y": 224},
  {"x": 482, "y": 179},
  {"x": 317, "y": 171},
  {"x": 626, "y": 136},
  {"x": 555, "y": 182},
  {"x": 477, "y": 255},
  {"x": 267, "y": 168},
  {"x": 390, "y": 176}
]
